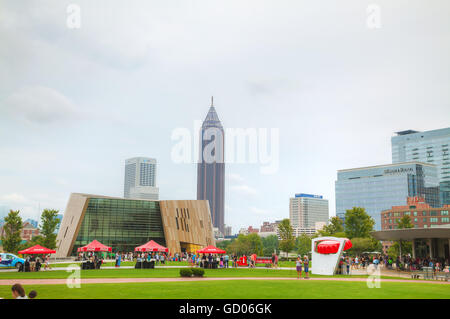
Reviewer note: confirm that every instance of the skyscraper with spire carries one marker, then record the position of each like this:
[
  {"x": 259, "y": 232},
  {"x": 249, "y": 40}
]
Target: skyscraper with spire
[{"x": 211, "y": 167}]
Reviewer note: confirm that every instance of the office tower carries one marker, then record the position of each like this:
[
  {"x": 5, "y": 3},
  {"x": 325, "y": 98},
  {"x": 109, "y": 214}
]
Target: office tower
[
  {"x": 377, "y": 188},
  {"x": 305, "y": 210},
  {"x": 428, "y": 147},
  {"x": 211, "y": 167},
  {"x": 140, "y": 178}
]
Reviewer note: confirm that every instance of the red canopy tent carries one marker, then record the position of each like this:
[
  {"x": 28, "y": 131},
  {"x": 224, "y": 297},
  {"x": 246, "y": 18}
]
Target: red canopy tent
[
  {"x": 95, "y": 246},
  {"x": 332, "y": 246},
  {"x": 152, "y": 246},
  {"x": 211, "y": 250},
  {"x": 37, "y": 250}
]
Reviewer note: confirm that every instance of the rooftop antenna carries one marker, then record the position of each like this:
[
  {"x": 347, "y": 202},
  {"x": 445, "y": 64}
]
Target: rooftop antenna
[{"x": 212, "y": 100}]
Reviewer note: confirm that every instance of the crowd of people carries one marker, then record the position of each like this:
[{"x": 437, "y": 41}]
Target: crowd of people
[
  {"x": 404, "y": 263},
  {"x": 35, "y": 263}
]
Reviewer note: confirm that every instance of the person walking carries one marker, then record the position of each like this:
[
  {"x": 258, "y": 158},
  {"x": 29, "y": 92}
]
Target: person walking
[{"x": 298, "y": 265}]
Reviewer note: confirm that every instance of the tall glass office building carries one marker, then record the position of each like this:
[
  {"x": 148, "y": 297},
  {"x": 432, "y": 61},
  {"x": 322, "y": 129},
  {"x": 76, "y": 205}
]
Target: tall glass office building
[
  {"x": 378, "y": 188},
  {"x": 428, "y": 147}
]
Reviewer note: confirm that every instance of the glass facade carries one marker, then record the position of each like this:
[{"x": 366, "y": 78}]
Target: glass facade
[
  {"x": 121, "y": 224},
  {"x": 428, "y": 147},
  {"x": 378, "y": 188}
]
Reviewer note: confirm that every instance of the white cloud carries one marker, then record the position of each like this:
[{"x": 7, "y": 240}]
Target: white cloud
[
  {"x": 232, "y": 177},
  {"x": 13, "y": 198},
  {"x": 39, "y": 104},
  {"x": 244, "y": 189},
  {"x": 259, "y": 211}
]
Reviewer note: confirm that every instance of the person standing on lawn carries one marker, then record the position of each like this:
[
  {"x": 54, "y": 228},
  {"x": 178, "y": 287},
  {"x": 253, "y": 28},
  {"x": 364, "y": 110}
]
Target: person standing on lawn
[
  {"x": 299, "y": 267},
  {"x": 306, "y": 266}
]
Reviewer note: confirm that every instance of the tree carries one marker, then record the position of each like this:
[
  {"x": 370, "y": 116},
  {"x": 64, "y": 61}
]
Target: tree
[
  {"x": 358, "y": 223},
  {"x": 286, "y": 232},
  {"x": 402, "y": 247},
  {"x": 405, "y": 222},
  {"x": 303, "y": 244},
  {"x": 11, "y": 232},
  {"x": 270, "y": 245},
  {"x": 49, "y": 223},
  {"x": 246, "y": 245},
  {"x": 334, "y": 226}
]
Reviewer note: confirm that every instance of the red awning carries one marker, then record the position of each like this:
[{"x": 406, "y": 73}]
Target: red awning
[
  {"x": 152, "y": 246},
  {"x": 95, "y": 246},
  {"x": 332, "y": 246},
  {"x": 211, "y": 250},
  {"x": 37, "y": 250}
]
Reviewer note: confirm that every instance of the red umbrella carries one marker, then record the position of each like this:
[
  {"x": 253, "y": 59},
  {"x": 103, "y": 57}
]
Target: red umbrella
[
  {"x": 211, "y": 250},
  {"x": 37, "y": 250},
  {"x": 332, "y": 246},
  {"x": 152, "y": 246},
  {"x": 95, "y": 246}
]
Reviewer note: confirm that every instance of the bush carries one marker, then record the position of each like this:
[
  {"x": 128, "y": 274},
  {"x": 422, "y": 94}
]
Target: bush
[
  {"x": 198, "y": 272},
  {"x": 186, "y": 272}
]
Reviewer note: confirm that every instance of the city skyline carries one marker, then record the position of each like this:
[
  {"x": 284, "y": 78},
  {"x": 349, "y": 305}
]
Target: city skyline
[{"x": 72, "y": 110}]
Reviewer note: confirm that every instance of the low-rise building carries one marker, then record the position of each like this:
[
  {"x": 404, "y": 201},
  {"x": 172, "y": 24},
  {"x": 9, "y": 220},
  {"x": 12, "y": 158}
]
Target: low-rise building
[{"x": 123, "y": 224}]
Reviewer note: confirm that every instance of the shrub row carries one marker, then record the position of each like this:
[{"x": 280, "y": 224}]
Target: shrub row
[{"x": 189, "y": 272}]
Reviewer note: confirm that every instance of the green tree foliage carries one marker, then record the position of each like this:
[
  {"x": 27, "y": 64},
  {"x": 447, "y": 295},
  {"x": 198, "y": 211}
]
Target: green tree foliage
[
  {"x": 223, "y": 244},
  {"x": 287, "y": 243},
  {"x": 402, "y": 247},
  {"x": 394, "y": 250},
  {"x": 303, "y": 244},
  {"x": 246, "y": 245},
  {"x": 358, "y": 223},
  {"x": 405, "y": 222},
  {"x": 335, "y": 225},
  {"x": 49, "y": 223},
  {"x": 367, "y": 244},
  {"x": 11, "y": 229},
  {"x": 270, "y": 245}
]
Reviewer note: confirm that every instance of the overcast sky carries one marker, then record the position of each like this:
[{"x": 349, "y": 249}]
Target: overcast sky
[{"x": 75, "y": 103}]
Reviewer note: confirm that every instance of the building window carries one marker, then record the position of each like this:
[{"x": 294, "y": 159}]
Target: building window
[
  {"x": 415, "y": 213},
  {"x": 433, "y": 220},
  {"x": 424, "y": 220},
  {"x": 445, "y": 220},
  {"x": 424, "y": 213},
  {"x": 444, "y": 212}
]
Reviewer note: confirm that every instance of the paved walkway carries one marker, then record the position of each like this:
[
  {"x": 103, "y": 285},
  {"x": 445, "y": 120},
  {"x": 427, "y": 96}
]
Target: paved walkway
[{"x": 10, "y": 282}]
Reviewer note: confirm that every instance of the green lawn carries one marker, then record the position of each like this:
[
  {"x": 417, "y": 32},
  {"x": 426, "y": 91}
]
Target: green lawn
[
  {"x": 158, "y": 273},
  {"x": 242, "y": 289}
]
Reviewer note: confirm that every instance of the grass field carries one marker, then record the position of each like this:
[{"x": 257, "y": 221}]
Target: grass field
[
  {"x": 158, "y": 273},
  {"x": 241, "y": 289}
]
